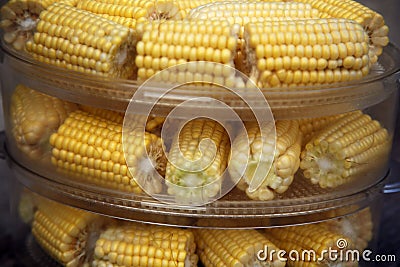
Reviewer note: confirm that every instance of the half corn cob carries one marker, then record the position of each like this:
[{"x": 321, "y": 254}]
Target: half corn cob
[
  {"x": 358, "y": 227},
  {"x": 63, "y": 231},
  {"x": 234, "y": 248},
  {"x": 19, "y": 19},
  {"x": 91, "y": 148},
  {"x": 284, "y": 157},
  {"x": 169, "y": 43},
  {"x": 307, "y": 52},
  {"x": 350, "y": 146},
  {"x": 79, "y": 40},
  {"x": 241, "y": 13},
  {"x": 197, "y": 160},
  {"x": 34, "y": 117},
  {"x": 372, "y": 21},
  {"x": 311, "y": 238},
  {"x": 135, "y": 244},
  {"x": 311, "y": 126}
]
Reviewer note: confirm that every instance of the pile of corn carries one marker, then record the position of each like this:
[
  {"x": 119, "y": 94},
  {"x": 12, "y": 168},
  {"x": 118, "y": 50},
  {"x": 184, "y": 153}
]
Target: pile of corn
[
  {"x": 78, "y": 238},
  {"x": 88, "y": 144},
  {"x": 276, "y": 43}
]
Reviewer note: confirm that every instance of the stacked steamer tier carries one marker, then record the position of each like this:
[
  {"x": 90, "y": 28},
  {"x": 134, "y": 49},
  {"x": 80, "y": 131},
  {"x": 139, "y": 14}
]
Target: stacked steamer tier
[{"x": 210, "y": 129}]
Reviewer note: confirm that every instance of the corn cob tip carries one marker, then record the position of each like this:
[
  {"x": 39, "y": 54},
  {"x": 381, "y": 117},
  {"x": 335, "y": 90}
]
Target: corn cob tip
[
  {"x": 197, "y": 161},
  {"x": 349, "y": 147},
  {"x": 273, "y": 160},
  {"x": 64, "y": 232},
  {"x": 164, "y": 10},
  {"x": 35, "y": 116}
]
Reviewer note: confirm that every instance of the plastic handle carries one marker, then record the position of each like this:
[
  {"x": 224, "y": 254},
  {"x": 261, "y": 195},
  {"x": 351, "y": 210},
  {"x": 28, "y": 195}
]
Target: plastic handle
[{"x": 391, "y": 188}]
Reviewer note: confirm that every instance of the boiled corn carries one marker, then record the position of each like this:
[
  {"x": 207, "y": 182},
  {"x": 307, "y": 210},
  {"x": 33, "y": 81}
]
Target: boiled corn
[
  {"x": 373, "y": 22},
  {"x": 350, "y": 146},
  {"x": 134, "y": 244},
  {"x": 20, "y": 17},
  {"x": 284, "y": 157},
  {"x": 197, "y": 160},
  {"x": 234, "y": 248},
  {"x": 358, "y": 227},
  {"x": 307, "y": 52},
  {"x": 63, "y": 231},
  {"x": 169, "y": 43},
  {"x": 311, "y": 126},
  {"x": 75, "y": 39},
  {"x": 92, "y": 148},
  {"x": 152, "y": 123},
  {"x": 241, "y": 13},
  {"x": 34, "y": 117},
  {"x": 311, "y": 238}
]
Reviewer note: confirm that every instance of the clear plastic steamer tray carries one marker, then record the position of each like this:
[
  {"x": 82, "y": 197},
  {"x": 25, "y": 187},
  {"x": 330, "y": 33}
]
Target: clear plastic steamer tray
[{"x": 302, "y": 202}]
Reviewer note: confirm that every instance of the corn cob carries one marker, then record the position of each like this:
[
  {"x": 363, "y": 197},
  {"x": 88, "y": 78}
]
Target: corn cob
[
  {"x": 358, "y": 227},
  {"x": 134, "y": 244},
  {"x": 152, "y": 124},
  {"x": 82, "y": 41},
  {"x": 170, "y": 43},
  {"x": 129, "y": 12},
  {"x": 90, "y": 147},
  {"x": 241, "y": 13},
  {"x": 233, "y": 248},
  {"x": 19, "y": 19},
  {"x": 197, "y": 160},
  {"x": 373, "y": 22},
  {"x": 63, "y": 231},
  {"x": 285, "y": 159},
  {"x": 311, "y": 126},
  {"x": 351, "y": 146},
  {"x": 34, "y": 117},
  {"x": 308, "y": 52},
  {"x": 311, "y": 238}
]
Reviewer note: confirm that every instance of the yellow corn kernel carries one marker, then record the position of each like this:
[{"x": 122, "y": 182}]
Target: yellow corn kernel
[
  {"x": 197, "y": 160},
  {"x": 306, "y": 52},
  {"x": 91, "y": 148},
  {"x": 169, "y": 43},
  {"x": 234, "y": 248},
  {"x": 130, "y": 13},
  {"x": 63, "y": 231},
  {"x": 241, "y": 13},
  {"x": 311, "y": 126},
  {"x": 285, "y": 160},
  {"x": 34, "y": 117},
  {"x": 373, "y": 22},
  {"x": 134, "y": 244},
  {"x": 349, "y": 147},
  {"x": 153, "y": 124},
  {"x": 316, "y": 240},
  {"x": 82, "y": 41}
]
